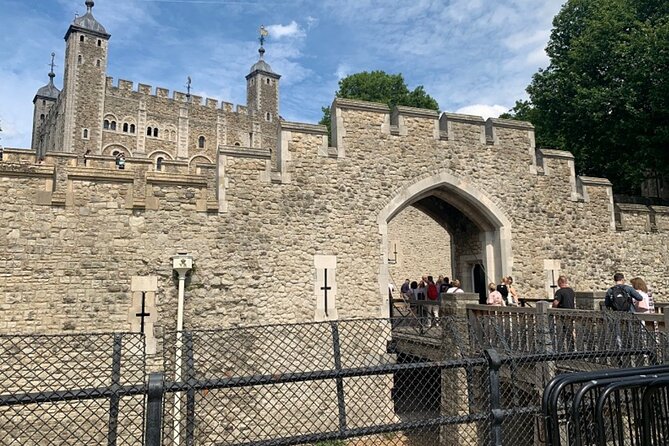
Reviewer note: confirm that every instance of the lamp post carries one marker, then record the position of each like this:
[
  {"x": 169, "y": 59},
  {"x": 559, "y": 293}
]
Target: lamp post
[{"x": 181, "y": 264}]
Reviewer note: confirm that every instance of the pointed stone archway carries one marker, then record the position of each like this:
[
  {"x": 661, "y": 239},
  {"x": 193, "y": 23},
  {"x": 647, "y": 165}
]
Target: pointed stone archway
[{"x": 487, "y": 222}]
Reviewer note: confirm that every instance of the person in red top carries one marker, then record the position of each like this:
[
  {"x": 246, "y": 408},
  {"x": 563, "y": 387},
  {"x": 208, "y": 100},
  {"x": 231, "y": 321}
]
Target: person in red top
[{"x": 433, "y": 297}]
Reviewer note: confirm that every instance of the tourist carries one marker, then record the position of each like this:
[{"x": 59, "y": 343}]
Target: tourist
[
  {"x": 405, "y": 288},
  {"x": 619, "y": 296},
  {"x": 120, "y": 161},
  {"x": 413, "y": 290},
  {"x": 455, "y": 287},
  {"x": 564, "y": 296},
  {"x": 514, "y": 299},
  {"x": 433, "y": 297},
  {"x": 503, "y": 290},
  {"x": 645, "y": 305},
  {"x": 494, "y": 297},
  {"x": 445, "y": 285}
]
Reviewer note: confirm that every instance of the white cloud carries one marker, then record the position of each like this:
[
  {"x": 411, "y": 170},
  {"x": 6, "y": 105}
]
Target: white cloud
[
  {"x": 343, "y": 70},
  {"x": 484, "y": 110},
  {"x": 292, "y": 30}
]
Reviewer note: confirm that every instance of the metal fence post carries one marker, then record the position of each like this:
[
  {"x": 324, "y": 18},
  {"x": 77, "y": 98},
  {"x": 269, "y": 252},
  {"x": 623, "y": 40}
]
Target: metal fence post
[
  {"x": 497, "y": 416},
  {"x": 190, "y": 393},
  {"x": 154, "y": 409},
  {"x": 341, "y": 403},
  {"x": 115, "y": 399}
]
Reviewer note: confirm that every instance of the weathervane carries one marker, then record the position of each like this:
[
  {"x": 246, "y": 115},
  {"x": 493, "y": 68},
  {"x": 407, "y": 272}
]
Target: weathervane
[
  {"x": 53, "y": 55},
  {"x": 263, "y": 33},
  {"x": 188, "y": 87}
]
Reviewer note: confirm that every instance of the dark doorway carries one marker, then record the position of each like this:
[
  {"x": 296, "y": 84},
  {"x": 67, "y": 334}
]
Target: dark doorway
[{"x": 479, "y": 283}]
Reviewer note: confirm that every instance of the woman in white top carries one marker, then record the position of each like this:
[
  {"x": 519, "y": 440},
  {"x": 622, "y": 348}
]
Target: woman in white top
[
  {"x": 455, "y": 287},
  {"x": 644, "y": 305}
]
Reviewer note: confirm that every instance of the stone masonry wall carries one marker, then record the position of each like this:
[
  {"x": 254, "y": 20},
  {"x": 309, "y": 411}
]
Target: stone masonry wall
[
  {"x": 72, "y": 240},
  {"x": 423, "y": 247}
]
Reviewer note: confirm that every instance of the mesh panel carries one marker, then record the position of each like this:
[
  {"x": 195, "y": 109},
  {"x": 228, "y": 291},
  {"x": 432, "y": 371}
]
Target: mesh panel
[{"x": 57, "y": 390}]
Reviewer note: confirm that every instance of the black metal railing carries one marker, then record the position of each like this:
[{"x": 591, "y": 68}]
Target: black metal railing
[{"x": 327, "y": 383}]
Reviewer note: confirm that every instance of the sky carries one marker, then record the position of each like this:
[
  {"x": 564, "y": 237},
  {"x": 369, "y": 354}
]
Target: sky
[{"x": 473, "y": 56}]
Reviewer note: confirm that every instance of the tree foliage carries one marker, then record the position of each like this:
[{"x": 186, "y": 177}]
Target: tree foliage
[
  {"x": 379, "y": 86},
  {"x": 605, "y": 94}
]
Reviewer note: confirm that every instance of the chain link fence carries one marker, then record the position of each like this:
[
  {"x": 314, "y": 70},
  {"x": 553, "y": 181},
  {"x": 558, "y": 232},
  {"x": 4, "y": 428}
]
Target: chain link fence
[
  {"x": 72, "y": 389},
  {"x": 450, "y": 380}
]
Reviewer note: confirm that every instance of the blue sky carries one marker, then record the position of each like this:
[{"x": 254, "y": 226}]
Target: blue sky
[{"x": 473, "y": 56}]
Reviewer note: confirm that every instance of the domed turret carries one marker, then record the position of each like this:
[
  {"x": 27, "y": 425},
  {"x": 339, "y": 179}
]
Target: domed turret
[
  {"x": 49, "y": 91},
  {"x": 87, "y": 23}
]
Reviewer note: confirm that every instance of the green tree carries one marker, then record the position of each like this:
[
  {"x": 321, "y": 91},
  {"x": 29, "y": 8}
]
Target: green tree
[
  {"x": 379, "y": 86},
  {"x": 605, "y": 94}
]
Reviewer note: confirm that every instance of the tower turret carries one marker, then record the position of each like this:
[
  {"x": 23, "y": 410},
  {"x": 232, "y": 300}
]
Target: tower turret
[
  {"x": 84, "y": 83},
  {"x": 43, "y": 101},
  {"x": 262, "y": 98},
  {"x": 262, "y": 86}
]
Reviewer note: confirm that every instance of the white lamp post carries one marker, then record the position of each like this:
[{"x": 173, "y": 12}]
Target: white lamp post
[{"x": 181, "y": 263}]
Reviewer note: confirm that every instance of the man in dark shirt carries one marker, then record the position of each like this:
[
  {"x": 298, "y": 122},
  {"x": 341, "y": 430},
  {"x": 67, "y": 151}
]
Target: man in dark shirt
[{"x": 564, "y": 296}]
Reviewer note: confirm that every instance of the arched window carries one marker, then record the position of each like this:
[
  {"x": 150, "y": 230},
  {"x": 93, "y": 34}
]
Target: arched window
[
  {"x": 85, "y": 133},
  {"x": 97, "y": 63},
  {"x": 132, "y": 128},
  {"x": 237, "y": 143},
  {"x": 105, "y": 125},
  {"x": 99, "y": 42},
  {"x": 125, "y": 127},
  {"x": 113, "y": 125},
  {"x": 267, "y": 81},
  {"x": 148, "y": 131},
  {"x": 41, "y": 117},
  {"x": 268, "y": 117},
  {"x": 155, "y": 132},
  {"x": 79, "y": 59},
  {"x": 200, "y": 142},
  {"x": 81, "y": 38},
  {"x": 159, "y": 163}
]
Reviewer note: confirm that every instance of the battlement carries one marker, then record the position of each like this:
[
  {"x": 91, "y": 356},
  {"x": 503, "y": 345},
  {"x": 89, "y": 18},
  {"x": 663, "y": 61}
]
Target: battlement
[
  {"x": 641, "y": 218},
  {"x": 421, "y": 123},
  {"x": 177, "y": 96}
]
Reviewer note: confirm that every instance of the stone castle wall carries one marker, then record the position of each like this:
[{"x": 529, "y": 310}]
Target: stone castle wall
[
  {"x": 423, "y": 247},
  {"x": 75, "y": 234}
]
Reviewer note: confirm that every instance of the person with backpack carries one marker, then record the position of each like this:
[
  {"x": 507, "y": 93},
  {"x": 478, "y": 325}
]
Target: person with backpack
[{"x": 620, "y": 296}]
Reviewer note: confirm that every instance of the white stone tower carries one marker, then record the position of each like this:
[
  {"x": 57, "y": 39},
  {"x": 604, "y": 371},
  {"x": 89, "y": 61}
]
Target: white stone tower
[
  {"x": 262, "y": 99},
  {"x": 84, "y": 83}
]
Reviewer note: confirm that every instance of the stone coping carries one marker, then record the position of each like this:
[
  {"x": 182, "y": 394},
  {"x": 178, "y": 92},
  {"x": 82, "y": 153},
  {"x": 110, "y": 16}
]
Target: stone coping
[
  {"x": 631, "y": 207},
  {"x": 660, "y": 209},
  {"x": 304, "y": 127},
  {"x": 61, "y": 155},
  {"x": 459, "y": 117},
  {"x": 245, "y": 152},
  {"x": 12, "y": 169},
  {"x": 552, "y": 153},
  {"x": 172, "y": 162},
  {"x": 510, "y": 124},
  {"x": 18, "y": 150},
  {"x": 97, "y": 174},
  {"x": 175, "y": 179},
  {"x": 415, "y": 112},
  {"x": 594, "y": 181},
  {"x": 353, "y": 104}
]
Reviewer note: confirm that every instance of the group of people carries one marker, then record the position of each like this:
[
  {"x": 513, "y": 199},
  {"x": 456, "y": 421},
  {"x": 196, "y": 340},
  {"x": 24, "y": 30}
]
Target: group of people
[
  {"x": 429, "y": 289},
  {"x": 503, "y": 294},
  {"x": 635, "y": 298}
]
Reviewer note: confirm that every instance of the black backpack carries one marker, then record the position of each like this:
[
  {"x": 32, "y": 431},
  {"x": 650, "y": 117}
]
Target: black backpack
[{"x": 620, "y": 299}]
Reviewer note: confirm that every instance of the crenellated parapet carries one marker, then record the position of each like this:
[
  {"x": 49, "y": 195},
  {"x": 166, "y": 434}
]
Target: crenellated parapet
[
  {"x": 177, "y": 97},
  {"x": 64, "y": 180},
  {"x": 640, "y": 218}
]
